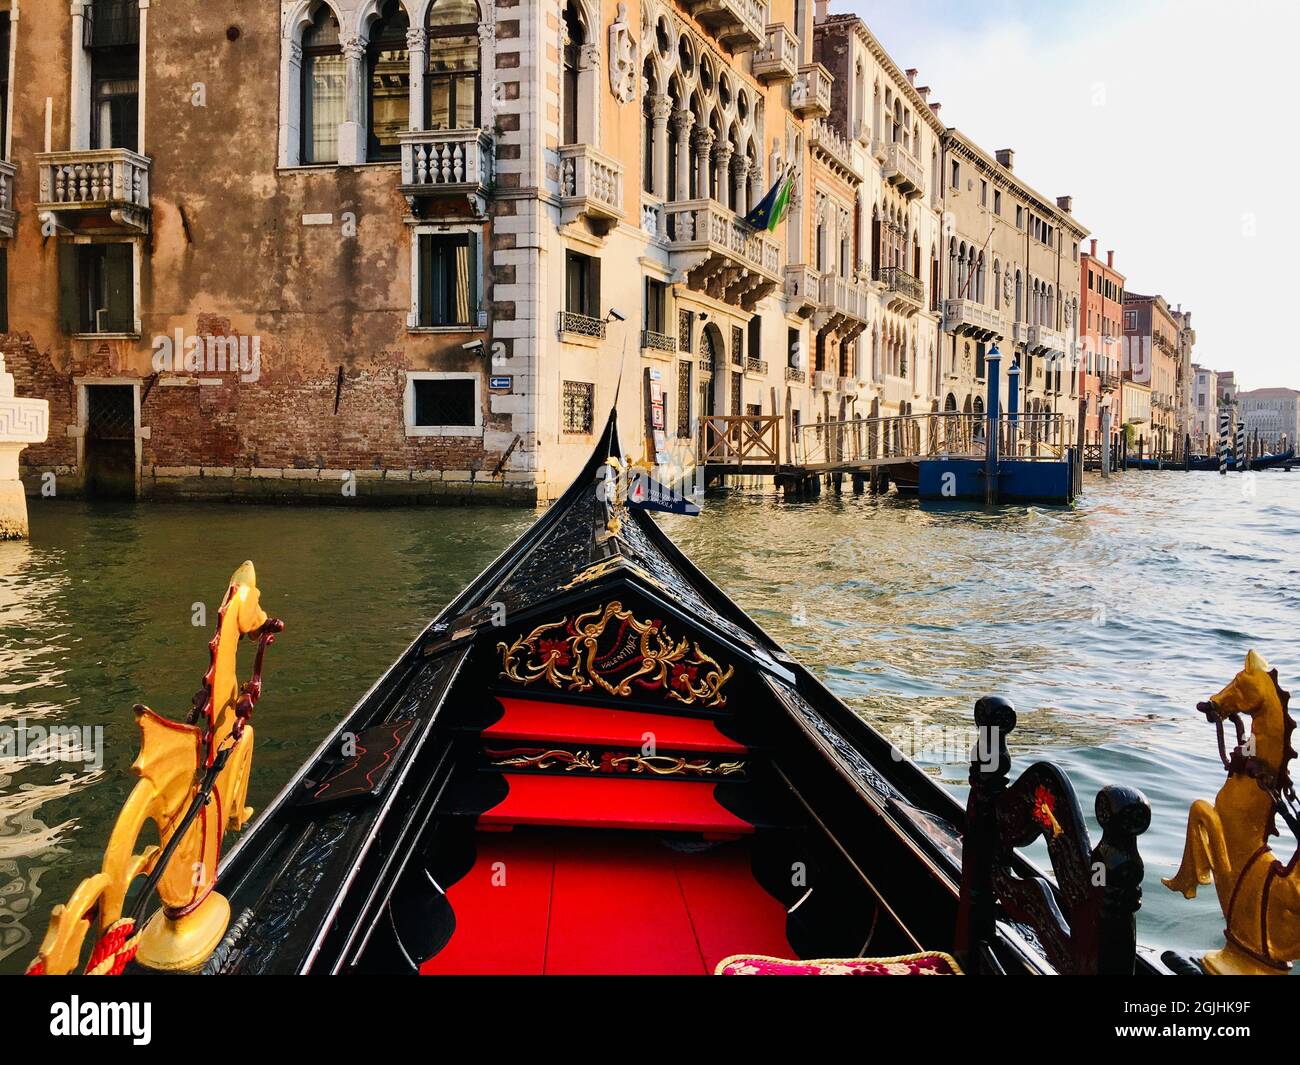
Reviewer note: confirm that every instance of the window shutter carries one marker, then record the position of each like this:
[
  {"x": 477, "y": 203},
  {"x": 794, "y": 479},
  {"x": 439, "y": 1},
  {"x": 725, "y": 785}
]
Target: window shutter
[
  {"x": 424, "y": 280},
  {"x": 473, "y": 280},
  {"x": 68, "y": 319},
  {"x": 593, "y": 289},
  {"x": 119, "y": 262}
]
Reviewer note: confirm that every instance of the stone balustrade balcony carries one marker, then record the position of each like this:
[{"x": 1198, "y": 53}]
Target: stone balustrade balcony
[
  {"x": 591, "y": 185},
  {"x": 94, "y": 188},
  {"x": 1044, "y": 341},
  {"x": 843, "y": 307},
  {"x": 446, "y": 163},
  {"x": 902, "y": 170},
  {"x": 968, "y": 318},
  {"x": 720, "y": 255},
  {"x": 811, "y": 93},
  {"x": 778, "y": 59},
  {"x": 739, "y": 24}
]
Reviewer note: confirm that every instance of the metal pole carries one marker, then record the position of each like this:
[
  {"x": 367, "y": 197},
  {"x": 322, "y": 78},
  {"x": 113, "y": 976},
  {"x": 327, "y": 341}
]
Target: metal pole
[
  {"x": 1225, "y": 431},
  {"x": 993, "y": 367},
  {"x": 1107, "y": 444}
]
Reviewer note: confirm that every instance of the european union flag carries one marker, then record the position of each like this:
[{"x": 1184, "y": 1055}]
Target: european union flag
[{"x": 773, "y": 207}]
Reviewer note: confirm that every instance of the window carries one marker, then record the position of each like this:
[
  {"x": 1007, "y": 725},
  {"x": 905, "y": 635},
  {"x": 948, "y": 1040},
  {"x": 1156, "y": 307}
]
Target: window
[
  {"x": 656, "y": 306},
  {"x": 451, "y": 84},
  {"x": 795, "y": 349},
  {"x": 984, "y": 193},
  {"x": 956, "y": 175},
  {"x": 683, "y": 399},
  {"x": 754, "y": 342},
  {"x": 447, "y": 280},
  {"x": 324, "y": 89},
  {"x": 582, "y": 284},
  {"x": 112, "y": 32},
  {"x": 997, "y": 202},
  {"x": 388, "y": 83},
  {"x": 97, "y": 288},
  {"x": 579, "y": 398},
  {"x": 574, "y": 39},
  {"x": 737, "y": 345},
  {"x": 442, "y": 404}
]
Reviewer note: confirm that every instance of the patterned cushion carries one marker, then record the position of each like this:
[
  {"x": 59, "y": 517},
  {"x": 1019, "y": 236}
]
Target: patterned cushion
[{"x": 915, "y": 965}]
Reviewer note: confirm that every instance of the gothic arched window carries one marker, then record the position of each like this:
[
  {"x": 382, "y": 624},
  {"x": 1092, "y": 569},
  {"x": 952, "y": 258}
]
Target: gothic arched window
[
  {"x": 388, "y": 82},
  {"x": 451, "y": 84},
  {"x": 324, "y": 88}
]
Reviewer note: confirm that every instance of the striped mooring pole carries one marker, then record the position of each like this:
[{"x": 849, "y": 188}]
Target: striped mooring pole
[
  {"x": 1240, "y": 457},
  {"x": 1225, "y": 434}
]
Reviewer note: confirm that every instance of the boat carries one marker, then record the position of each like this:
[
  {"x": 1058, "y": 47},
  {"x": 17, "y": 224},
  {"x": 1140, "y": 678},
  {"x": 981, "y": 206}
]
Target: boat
[
  {"x": 1203, "y": 464},
  {"x": 593, "y": 761}
]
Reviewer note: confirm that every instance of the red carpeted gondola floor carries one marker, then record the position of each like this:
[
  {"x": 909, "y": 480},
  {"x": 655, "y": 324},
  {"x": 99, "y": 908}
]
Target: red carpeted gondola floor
[{"x": 574, "y": 903}]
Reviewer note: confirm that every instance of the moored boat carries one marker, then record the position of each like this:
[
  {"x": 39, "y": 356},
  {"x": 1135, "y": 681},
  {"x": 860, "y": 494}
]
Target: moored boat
[{"x": 593, "y": 761}]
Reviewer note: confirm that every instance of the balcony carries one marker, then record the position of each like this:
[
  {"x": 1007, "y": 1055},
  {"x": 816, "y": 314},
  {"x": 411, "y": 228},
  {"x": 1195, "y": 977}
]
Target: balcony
[
  {"x": 848, "y": 385},
  {"x": 843, "y": 307},
  {"x": 778, "y": 59},
  {"x": 802, "y": 289},
  {"x": 968, "y": 318},
  {"x": 7, "y": 215},
  {"x": 906, "y": 293},
  {"x": 1109, "y": 381},
  {"x": 739, "y": 24},
  {"x": 810, "y": 96},
  {"x": 833, "y": 149},
  {"x": 824, "y": 381},
  {"x": 902, "y": 170},
  {"x": 1043, "y": 341},
  {"x": 721, "y": 256},
  {"x": 796, "y": 375},
  {"x": 756, "y": 366},
  {"x": 660, "y": 343},
  {"x": 446, "y": 164},
  {"x": 95, "y": 188},
  {"x": 591, "y": 186},
  {"x": 581, "y": 327}
]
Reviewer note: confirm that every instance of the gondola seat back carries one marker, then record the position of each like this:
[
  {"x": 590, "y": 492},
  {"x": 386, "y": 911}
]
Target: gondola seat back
[{"x": 1085, "y": 924}]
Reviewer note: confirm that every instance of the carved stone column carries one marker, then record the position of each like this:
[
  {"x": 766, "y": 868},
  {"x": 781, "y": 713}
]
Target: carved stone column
[
  {"x": 417, "y": 46},
  {"x": 487, "y": 47},
  {"x": 683, "y": 121},
  {"x": 722, "y": 172},
  {"x": 22, "y": 422},
  {"x": 703, "y": 150},
  {"x": 661, "y": 107},
  {"x": 740, "y": 181},
  {"x": 352, "y": 132}
]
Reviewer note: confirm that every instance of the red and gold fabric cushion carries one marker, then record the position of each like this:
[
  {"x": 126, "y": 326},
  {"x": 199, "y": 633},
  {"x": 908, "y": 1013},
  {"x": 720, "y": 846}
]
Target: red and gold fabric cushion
[{"x": 914, "y": 965}]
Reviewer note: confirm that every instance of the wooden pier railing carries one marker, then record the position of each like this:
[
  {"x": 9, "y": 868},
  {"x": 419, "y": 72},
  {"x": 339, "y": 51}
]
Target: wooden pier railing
[{"x": 742, "y": 440}]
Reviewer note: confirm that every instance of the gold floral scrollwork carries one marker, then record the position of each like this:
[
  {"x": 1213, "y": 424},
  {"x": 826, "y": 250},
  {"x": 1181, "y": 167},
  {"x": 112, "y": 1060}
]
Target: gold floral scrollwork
[
  {"x": 612, "y": 763},
  {"x": 610, "y": 650}
]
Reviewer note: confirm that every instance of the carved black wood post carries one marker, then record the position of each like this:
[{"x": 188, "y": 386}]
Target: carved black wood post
[
  {"x": 1124, "y": 814},
  {"x": 995, "y": 718}
]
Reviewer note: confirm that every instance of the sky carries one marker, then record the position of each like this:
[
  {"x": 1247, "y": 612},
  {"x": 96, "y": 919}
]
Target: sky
[{"x": 1170, "y": 122}]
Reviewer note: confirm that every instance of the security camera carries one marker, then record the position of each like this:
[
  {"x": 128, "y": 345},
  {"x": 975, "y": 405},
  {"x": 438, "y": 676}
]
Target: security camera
[
  {"x": 473, "y": 345},
  {"x": 615, "y": 314}
]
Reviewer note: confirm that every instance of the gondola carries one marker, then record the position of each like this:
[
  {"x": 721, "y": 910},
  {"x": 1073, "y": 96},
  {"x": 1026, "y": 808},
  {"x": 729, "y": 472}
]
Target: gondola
[
  {"x": 592, "y": 761},
  {"x": 1204, "y": 465}
]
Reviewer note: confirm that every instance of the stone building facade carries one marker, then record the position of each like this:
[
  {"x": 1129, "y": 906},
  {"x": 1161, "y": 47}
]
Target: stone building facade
[
  {"x": 414, "y": 249},
  {"x": 1205, "y": 411},
  {"x": 1272, "y": 415},
  {"x": 1151, "y": 373},
  {"x": 1101, "y": 326},
  {"x": 1012, "y": 277}
]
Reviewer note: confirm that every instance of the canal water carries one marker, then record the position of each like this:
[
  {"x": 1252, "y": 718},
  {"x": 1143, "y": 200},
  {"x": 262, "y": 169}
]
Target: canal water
[{"x": 1104, "y": 624}]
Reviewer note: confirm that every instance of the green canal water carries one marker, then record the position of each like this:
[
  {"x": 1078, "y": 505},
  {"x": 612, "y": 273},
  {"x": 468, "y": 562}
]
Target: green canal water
[{"x": 1104, "y": 624}]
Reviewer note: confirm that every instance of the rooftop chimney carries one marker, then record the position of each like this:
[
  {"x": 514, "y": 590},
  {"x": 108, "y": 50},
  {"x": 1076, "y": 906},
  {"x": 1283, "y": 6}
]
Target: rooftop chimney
[
  {"x": 935, "y": 108},
  {"x": 1007, "y": 158},
  {"x": 924, "y": 92},
  {"x": 1065, "y": 203},
  {"x": 911, "y": 73},
  {"x": 1093, "y": 253},
  {"x": 822, "y": 12},
  {"x": 1110, "y": 259}
]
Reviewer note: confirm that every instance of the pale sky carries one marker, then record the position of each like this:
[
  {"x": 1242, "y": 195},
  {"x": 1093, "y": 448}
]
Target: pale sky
[{"x": 1171, "y": 122}]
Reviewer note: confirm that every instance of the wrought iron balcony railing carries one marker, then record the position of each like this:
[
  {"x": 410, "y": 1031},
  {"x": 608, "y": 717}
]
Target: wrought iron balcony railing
[{"x": 582, "y": 325}]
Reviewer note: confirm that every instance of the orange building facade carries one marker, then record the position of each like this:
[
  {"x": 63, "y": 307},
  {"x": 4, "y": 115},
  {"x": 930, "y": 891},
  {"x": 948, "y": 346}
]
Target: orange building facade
[{"x": 1101, "y": 332}]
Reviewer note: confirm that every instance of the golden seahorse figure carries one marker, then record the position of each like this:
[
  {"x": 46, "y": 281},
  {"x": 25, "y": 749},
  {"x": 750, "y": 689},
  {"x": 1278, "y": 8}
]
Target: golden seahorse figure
[
  {"x": 211, "y": 752},
  {"x": 1228, "y": 842}
]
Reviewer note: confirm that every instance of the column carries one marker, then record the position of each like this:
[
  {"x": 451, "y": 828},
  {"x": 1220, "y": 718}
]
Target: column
[
  {"x": 22, "y": 422},
  {"x": 661, "y": 107},
  {"x": 352, "y": 132},
  {"x": 682, "y": 122},
  {"x": 290, "y": 103},
  {"x": 722, "y": 172},
  {"x": 740, "y": 175},
  {"x": 79, "y": 83},
  {"x": 417, "y": 44},
  {"x": 703, "y": 149}
]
